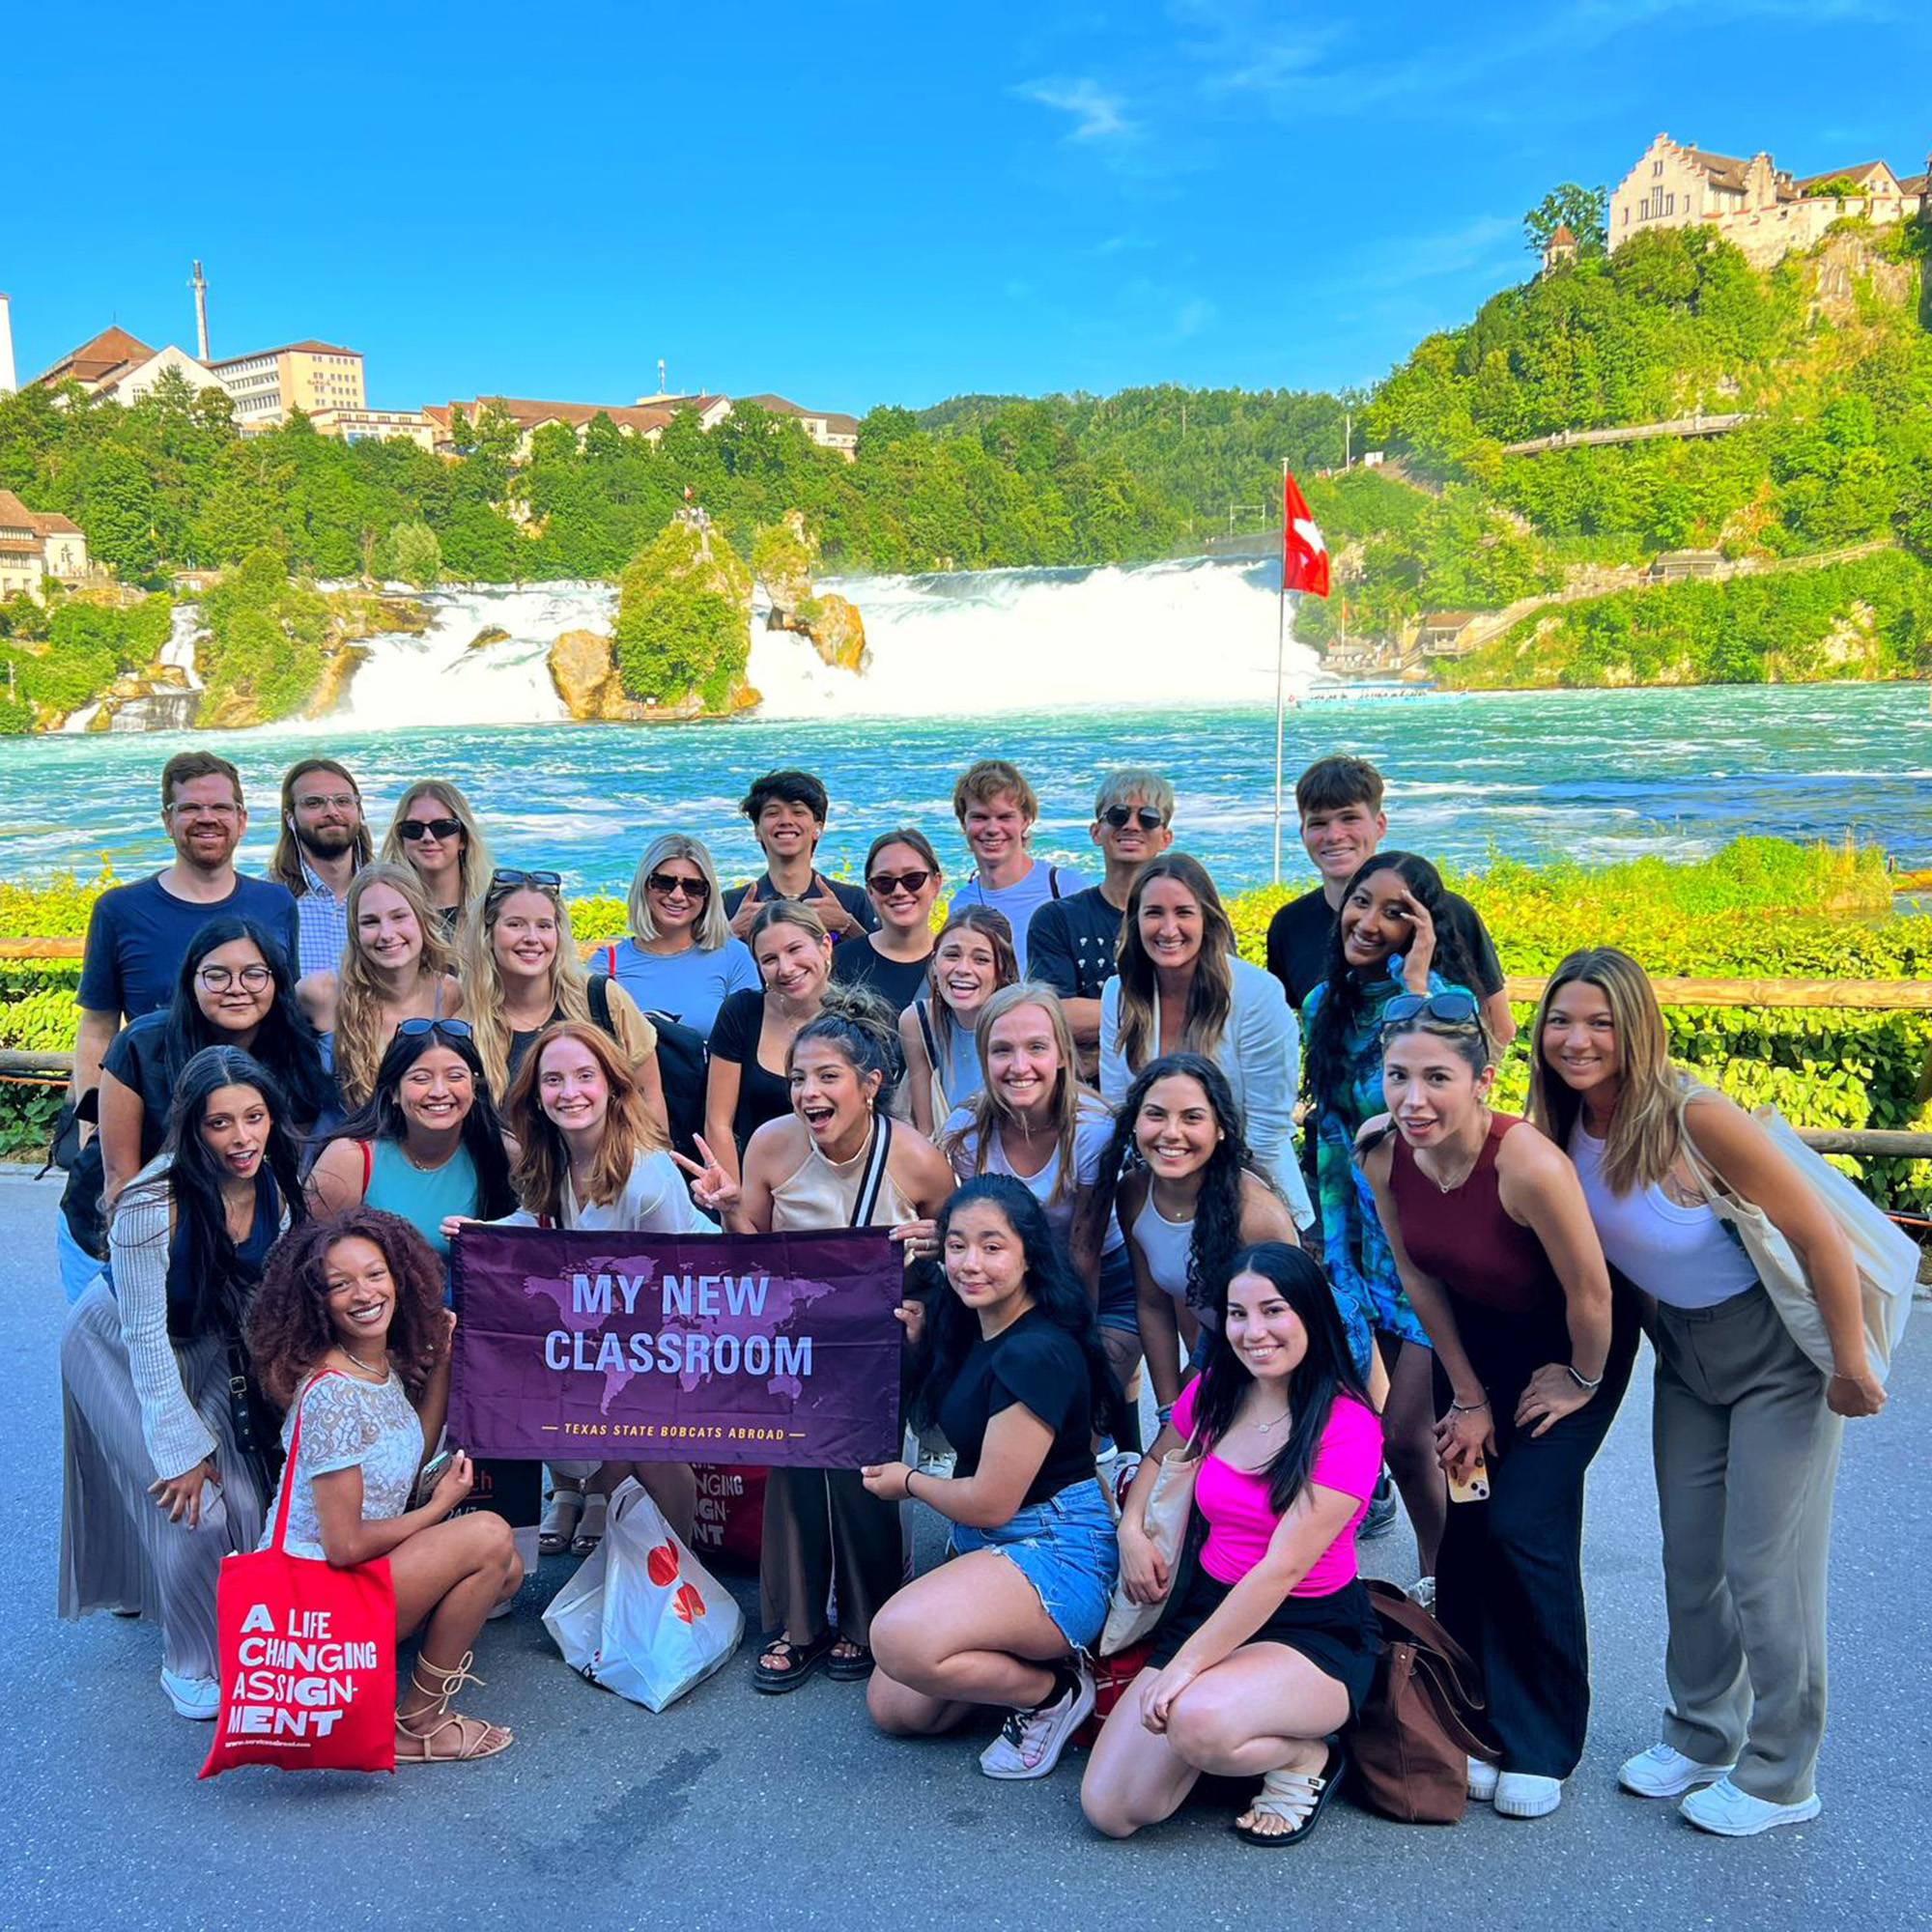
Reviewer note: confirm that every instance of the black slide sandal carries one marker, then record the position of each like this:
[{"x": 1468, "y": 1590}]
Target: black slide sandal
[{"x": 801, "y": 1661}]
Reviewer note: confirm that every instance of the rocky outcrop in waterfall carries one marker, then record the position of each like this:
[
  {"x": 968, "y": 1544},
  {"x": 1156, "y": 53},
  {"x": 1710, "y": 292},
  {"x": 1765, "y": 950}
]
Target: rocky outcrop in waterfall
[
  {"x": 785, "y": 556},
  {"x": 583, "y": 667}
]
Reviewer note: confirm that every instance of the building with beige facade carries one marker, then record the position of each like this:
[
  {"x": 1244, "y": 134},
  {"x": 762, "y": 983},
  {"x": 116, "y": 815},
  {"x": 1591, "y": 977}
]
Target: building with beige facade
[
  {"x": 529, "y": 417},
  {"x": 34, "y": 546},
  {"x": 116, "y": 367},
  {"x": 1756, "y": 206},
  {"x": 270, "y": 385},
  {"x": 829, "y": 429},
  {"x": 376, "y": 426}
]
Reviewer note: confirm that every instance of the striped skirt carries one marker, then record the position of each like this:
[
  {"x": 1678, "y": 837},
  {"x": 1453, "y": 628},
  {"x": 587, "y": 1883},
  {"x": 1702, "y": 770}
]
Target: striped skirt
[{"x": 118, "y": 1551}]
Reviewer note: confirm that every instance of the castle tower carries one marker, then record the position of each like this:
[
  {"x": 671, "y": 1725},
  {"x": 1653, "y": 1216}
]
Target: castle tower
[{"x": 6, "y": 382}]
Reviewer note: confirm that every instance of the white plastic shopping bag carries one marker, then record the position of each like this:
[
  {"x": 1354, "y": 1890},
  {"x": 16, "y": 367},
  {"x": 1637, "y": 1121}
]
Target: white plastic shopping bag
[{"x": 642, "y": 1616}]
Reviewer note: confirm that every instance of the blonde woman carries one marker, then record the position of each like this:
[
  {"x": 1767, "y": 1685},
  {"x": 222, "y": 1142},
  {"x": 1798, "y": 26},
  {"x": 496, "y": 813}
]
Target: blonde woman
[
  {"x": 397, "y": 966},
  {"x": 1746, "y": 1429},
  {"x": 682, "y": 958},
  {"x": 1033, "y": 1119},
  {"x": 1181, "y": 989},
  {"x": 972, "y": 960},
  {"x": 436, "y": 834},
  {"x": 520, "y": 974},
  {"x": 747, "y": 1083}
]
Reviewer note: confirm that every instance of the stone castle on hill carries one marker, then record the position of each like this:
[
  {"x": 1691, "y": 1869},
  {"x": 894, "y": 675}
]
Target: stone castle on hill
[{"x": 1754, "y": 204}]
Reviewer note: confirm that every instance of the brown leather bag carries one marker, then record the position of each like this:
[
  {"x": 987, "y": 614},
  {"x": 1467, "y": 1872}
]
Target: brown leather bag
[{"x": 1420, "y": 1724}]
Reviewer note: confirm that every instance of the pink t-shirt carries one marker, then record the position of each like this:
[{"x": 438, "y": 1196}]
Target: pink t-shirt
[{"x": 1235, "y": 1504}]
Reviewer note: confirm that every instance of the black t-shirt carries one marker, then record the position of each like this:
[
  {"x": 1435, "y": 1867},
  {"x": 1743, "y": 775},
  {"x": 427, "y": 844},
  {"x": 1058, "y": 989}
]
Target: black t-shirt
[
  {"x": 896, "y": 982},
  {"x": 138, "y": 1057},
  {"x": 1299, "y": 933},
  {"x": 1039, "y": 1366},
  {"x": 1072, "y": 944},
  {"x": 762, "y": 1094},
  {"x": 854, "y": 899}
]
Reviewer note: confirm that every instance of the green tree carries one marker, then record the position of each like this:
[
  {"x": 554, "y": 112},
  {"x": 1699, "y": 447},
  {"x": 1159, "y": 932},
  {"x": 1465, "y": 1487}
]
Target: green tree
[
  {"x": 1583, "y": 211},
  {"x": 414, "y": 555}
]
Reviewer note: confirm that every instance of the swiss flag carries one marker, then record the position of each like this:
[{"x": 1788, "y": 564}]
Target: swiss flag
[{"x": 1304, "y": 557}]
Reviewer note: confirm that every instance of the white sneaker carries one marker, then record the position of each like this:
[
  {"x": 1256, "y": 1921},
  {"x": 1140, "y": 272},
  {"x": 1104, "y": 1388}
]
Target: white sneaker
[
  {"x": 1731, "y": 1813},
  {"x": 1030, "y": 1742},
  {"x": 1482, "y": 1780},
  {"x": 1521, "y": 1794},
  {"x": 1661, "y": 1772},
  {"x": 196, "y": 1697}
]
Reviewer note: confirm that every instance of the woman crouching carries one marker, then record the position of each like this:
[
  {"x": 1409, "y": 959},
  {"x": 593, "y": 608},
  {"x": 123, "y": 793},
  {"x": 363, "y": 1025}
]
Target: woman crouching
[
  {"x": 1268, "y": 1643},
  {"x": 1012, "y": 1367},
  {"x": 350, "y": 1330}
]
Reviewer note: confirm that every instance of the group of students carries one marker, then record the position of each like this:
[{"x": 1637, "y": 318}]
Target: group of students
[{"x": 1076, "y": 1109}]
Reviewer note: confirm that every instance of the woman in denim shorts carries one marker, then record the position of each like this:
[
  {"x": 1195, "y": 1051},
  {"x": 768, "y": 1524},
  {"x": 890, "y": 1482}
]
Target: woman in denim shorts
[{"x": 1010, "y": 1366}]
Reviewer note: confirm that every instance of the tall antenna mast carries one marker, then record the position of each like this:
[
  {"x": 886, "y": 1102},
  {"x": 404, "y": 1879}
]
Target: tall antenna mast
[
  {"x": 200, "y": 287},
  {"x": 661, "y": 376}
]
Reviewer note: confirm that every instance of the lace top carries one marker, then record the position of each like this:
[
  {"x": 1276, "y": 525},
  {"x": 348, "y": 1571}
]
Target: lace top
[{"x": 347, "y": 1423}]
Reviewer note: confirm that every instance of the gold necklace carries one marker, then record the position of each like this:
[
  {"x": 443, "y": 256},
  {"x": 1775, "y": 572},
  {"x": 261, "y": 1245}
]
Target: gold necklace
[
  {"x": 1450, "y": 1186},
  {"x": 349, "y": 1355}
]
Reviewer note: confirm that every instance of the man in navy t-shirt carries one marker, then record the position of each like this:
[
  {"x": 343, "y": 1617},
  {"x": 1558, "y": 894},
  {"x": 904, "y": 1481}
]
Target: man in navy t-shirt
[{"x": 138, "y": 934}]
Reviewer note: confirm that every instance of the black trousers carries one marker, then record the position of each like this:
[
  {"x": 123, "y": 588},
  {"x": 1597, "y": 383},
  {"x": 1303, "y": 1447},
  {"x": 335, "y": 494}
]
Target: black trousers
[{"x": 1509, "y": 1580}]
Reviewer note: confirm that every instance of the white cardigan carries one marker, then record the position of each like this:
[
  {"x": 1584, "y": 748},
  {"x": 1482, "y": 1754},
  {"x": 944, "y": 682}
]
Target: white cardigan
[{"x": 1260, "y": 1051}]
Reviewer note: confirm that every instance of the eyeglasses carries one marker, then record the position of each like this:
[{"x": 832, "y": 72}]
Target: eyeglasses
[
  {"x": 885, "y": 884},
  {"x": 339, "y": 801},
  {"x": 413, "y": 829},
  {"x": 219, "y": 979},
  {"x": 508, "y": 880},
  {"x": 667, "y": 886},
  {"x": 1452, "y": 1009},
  {"x": 422, "y": 1028},
  {"x": 1144, "y": 815},
  {"x": 187, "y": 809}
]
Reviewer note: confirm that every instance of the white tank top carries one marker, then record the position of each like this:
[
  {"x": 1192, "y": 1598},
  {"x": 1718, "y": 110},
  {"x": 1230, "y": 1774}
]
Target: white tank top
[
  {"x": 1684, "y": 1256},
  {"x": 1164, "y": 1247}
]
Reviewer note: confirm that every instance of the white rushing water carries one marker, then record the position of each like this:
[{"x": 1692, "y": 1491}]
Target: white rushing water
[{"x": 1150, "y": 637}]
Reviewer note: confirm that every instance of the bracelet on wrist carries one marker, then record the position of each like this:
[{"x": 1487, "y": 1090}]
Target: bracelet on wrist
[
  {"x": 1469, "y": 1407},
  {"x": 1582, "y": 1380}
]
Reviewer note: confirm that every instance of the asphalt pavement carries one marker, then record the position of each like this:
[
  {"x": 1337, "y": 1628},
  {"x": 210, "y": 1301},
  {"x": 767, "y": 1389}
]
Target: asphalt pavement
[{"x": 734, "y": 1809}]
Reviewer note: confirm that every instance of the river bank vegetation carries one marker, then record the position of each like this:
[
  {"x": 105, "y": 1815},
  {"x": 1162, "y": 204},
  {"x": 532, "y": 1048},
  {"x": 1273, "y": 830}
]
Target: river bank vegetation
[{"x": 1759, "y": 909}]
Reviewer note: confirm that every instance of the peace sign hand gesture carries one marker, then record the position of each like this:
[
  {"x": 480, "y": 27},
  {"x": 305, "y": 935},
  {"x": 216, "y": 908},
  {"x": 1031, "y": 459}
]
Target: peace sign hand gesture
[{"x": 711, "y": 1186}]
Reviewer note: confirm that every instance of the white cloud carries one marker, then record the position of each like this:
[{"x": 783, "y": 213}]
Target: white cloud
[{"x": 1098, "y": 115}]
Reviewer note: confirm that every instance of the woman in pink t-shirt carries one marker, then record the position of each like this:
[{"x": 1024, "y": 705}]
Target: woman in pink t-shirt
[{"x": 1267, "y": 1646}]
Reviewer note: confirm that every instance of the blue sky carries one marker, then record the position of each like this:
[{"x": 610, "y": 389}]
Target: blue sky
[{"x": 854, "y": 205}]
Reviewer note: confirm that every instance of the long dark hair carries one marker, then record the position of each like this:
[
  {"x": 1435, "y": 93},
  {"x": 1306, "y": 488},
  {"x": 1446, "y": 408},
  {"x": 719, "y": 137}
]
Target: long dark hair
[
  {"x": 1210, "y": 989},
  {"x": 1331, "y": 1059},
  {"x": 863, "y": 1028},
  {"x": 382, "y": 1120},
  {"x": 186, "y": 1171},
  {"x": 1217, "y": 1213},
  {"x": 289, "y": 1325},
  {"x": 285, "y": 1042},
  {"x": 951, "y": 1328},
  {"x": 1326, "y": 1372}
]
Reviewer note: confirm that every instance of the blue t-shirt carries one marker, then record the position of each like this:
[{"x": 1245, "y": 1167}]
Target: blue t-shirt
[
  {"x": 1020, "y": 903},
  {"x": 690, "y": 986},
  {"x": 138, "y": 935}
]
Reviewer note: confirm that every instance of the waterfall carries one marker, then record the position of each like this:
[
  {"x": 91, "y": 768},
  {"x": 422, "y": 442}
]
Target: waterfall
[
  {"x": 179, "y": 650},
  {"x": 1149, "y": 636}
]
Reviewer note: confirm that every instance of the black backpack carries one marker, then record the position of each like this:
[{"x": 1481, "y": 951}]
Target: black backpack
[{"x": 684, "y": 1061}]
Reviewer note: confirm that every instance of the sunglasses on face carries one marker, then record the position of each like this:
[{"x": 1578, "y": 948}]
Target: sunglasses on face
[
  {"x": 667, "y": 886},
  {"x": 1144, "y": 815},
  {"x": 422, "y": 1028},
  {"x": 507, "y": 880},
  {"x": 1453, "y": 1009},
  {"x": 885, "y": 884},
  {"x": 413, "y": 829}
]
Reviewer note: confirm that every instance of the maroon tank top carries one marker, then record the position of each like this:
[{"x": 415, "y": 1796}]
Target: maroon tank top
[{"x": 1465, "y": 1239}]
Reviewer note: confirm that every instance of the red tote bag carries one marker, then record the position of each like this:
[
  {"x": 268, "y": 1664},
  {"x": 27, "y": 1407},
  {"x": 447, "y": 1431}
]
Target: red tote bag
[{"x": 308, "y": 1657}]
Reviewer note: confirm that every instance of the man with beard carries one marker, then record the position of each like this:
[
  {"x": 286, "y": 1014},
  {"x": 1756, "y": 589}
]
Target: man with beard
[{"x": 323, "y": 844}]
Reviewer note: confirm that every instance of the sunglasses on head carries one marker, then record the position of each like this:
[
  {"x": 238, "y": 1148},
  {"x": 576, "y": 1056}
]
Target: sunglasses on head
[
  {"x": 422, "y": 1028},
  {"x": 508, "y": 880},
  {"x": 885, "y": 884},
  {"x": 668, "y": 885},
  {"x": 1144, "y": 815},
  {"x": 1452, "y": 1009},
  {"x": 413, "y": 829}
]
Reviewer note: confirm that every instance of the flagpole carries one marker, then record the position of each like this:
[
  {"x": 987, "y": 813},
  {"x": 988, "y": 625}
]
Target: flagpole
[{"x": 1280, "y": 658}]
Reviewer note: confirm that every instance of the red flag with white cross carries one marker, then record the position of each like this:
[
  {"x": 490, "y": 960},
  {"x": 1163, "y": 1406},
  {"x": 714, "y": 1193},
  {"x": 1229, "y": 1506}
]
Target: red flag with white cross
[{"x": 1304, "y": 556}]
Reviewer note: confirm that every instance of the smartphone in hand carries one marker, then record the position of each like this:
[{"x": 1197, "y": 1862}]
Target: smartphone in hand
[
  {"x": 432, "y": 1475},
  {"x": 1473, "y": 1485}
]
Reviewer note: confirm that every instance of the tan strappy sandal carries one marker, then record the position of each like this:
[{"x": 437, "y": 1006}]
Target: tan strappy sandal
[{"x": 474, "y": 1738}]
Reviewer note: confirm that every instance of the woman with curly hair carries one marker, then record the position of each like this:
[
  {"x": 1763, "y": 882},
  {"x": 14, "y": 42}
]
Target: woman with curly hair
[
  {"x": 1182, "y": 988},
  {"x": 397, "y": 966},
  {"x": 436, "y": 835},
  {"x": 349, "y": 1329},
  {"x": 164, "y": 1468},
  {"x": 429, "y": 1145},
  {"x": 1192, "y": 1200},
  {"x": 1394, "y": 935}
]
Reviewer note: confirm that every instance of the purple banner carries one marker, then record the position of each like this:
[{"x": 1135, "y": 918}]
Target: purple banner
[{"x": 756, "y": 1348}]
